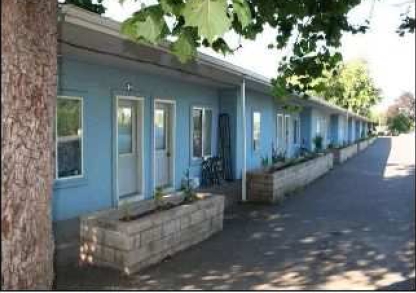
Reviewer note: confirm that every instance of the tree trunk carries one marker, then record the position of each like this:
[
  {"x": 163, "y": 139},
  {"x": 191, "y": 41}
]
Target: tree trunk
[{"x": 28, "y": 81}]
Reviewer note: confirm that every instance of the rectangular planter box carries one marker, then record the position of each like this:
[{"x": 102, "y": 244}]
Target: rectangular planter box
[
  {"x": 270, "y": 187},
  {"x": 133, "y": 245},
  {"x": 362, "y": 145},
  {"x": 343, "y": 154}
]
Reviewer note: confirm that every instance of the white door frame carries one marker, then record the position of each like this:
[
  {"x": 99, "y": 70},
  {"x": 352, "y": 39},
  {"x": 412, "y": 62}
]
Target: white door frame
[
  {"x": 139, "y": 141},
  {"x": 171, "y": 103}
]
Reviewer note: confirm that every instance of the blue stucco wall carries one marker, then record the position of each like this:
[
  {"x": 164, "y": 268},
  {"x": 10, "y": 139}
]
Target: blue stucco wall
[
  {"x": 98, "y": 85},
  {"x": 358, "y": 129},
  {"x": 316, "y": 114},
  {"x": 257, "y": 102}
]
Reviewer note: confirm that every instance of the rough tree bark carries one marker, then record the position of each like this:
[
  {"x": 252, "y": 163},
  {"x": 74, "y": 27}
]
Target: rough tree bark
[{"x": 28, "y": 81}]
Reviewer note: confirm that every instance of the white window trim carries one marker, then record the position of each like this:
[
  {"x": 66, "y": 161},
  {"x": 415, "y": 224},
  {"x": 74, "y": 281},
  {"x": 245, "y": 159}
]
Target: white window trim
[
  {"x": 57, "y": 178},
  {"x": 203, "y": 109},
  {"x": 252, "y": 133}
]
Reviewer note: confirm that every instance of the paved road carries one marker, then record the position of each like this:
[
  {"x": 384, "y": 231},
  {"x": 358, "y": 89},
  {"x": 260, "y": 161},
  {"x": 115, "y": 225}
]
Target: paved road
[{"x": 352, "y": 229}]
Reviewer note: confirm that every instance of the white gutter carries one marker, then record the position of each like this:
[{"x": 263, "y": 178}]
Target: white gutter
[{"x": 243, "y": 115}]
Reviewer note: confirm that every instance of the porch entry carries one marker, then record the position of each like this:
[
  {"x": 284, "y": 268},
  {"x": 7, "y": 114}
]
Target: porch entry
[
  {"x": 129, "y": 148},
  {"x": 164, "y": 126}
]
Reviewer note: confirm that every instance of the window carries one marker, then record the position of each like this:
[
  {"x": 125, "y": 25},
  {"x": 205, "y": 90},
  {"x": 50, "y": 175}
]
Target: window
[
  {"x": 68, "y": 137},
  {"x": 201, "y": 132},
  {"x": 125, "y": 129},
  {"x": 256, "y": 130},
  {"x": 287, "y": 131},
  {"x": 318, "y": 126},
  {"x": 280, "y": 131},
  {"x": 296, "y": 131}
]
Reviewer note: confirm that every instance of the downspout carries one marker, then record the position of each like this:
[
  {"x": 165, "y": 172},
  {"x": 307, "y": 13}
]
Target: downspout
[{"x": 243, "y": 115}]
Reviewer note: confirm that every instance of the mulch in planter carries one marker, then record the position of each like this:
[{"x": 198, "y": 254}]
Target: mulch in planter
[{"x": 159, "y": 208}]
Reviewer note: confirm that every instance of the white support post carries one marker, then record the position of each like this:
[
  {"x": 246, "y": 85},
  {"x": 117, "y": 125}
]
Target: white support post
[{"x": 243, "y": 115}]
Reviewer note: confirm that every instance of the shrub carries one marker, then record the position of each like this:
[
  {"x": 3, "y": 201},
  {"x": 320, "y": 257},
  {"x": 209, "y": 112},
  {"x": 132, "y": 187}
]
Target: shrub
[
  {"x": 277, "y": 156},
  {"x": 317, "y": 141},
  {"x": 265, "y": 161}
]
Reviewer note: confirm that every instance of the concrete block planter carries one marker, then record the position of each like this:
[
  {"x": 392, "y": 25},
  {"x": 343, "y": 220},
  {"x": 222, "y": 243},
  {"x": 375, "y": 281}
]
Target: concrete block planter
[
  {"x": 270, "y": 186},
  {"x": 343, "y": 154},
  {"x": 362, "y": 145},
  {"x": 130, "y": 246}
]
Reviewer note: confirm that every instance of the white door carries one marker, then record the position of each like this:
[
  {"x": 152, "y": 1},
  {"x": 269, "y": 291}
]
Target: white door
[
  {"x": 163, "y": 147},
  {"x": 128, "y": 148}
]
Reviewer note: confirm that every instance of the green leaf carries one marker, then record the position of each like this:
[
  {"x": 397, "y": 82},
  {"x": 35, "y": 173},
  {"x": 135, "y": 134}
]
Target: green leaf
[
  {"x": 148, "y": 24},
  {"x": 185, "y": 46},
  {"x": 172, "y": 6},
  {"x": 209, "y": 16},
  {"x": 219, "y": 45},
  {"x": 242, "y": 10}
]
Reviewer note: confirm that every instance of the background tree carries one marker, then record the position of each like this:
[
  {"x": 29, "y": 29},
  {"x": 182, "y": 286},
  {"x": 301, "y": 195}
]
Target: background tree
[
  {"x": 28, "y": 82},
  {"x": 399, "y": 123},
  {"x": 349, "y": 86},
  {"x": 406, "y": 103},
  {"x": 400, "y": 115}
]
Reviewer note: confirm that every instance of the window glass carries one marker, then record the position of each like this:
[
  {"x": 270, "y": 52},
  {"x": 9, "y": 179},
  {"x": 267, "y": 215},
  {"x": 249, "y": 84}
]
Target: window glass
[
  {"x": 287, "y": 131},
  {"x": 256, "y": 130},
  {"x": 280, "y": 131},
  {"x": 296, "y": 131},
  {"x": 197, "y": 133},
  {"x": 125, "y": 129},
  {"x": 207, "y": 116},
  {"x": 69, "y": 137},
  {"x": 160, "y": 129}
]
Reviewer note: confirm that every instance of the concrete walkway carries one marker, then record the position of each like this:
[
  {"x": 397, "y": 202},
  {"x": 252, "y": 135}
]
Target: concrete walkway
[{"x": 352, "y": 229}]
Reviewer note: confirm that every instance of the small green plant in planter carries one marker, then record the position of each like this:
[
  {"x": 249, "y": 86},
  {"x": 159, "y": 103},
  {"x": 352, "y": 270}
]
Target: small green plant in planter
[
  {"x": 158, "y": 195},
  {"x": 317, "y": 141},
  {"x": 126, "y": 211},
  {"x": 187, "y": 188}
]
